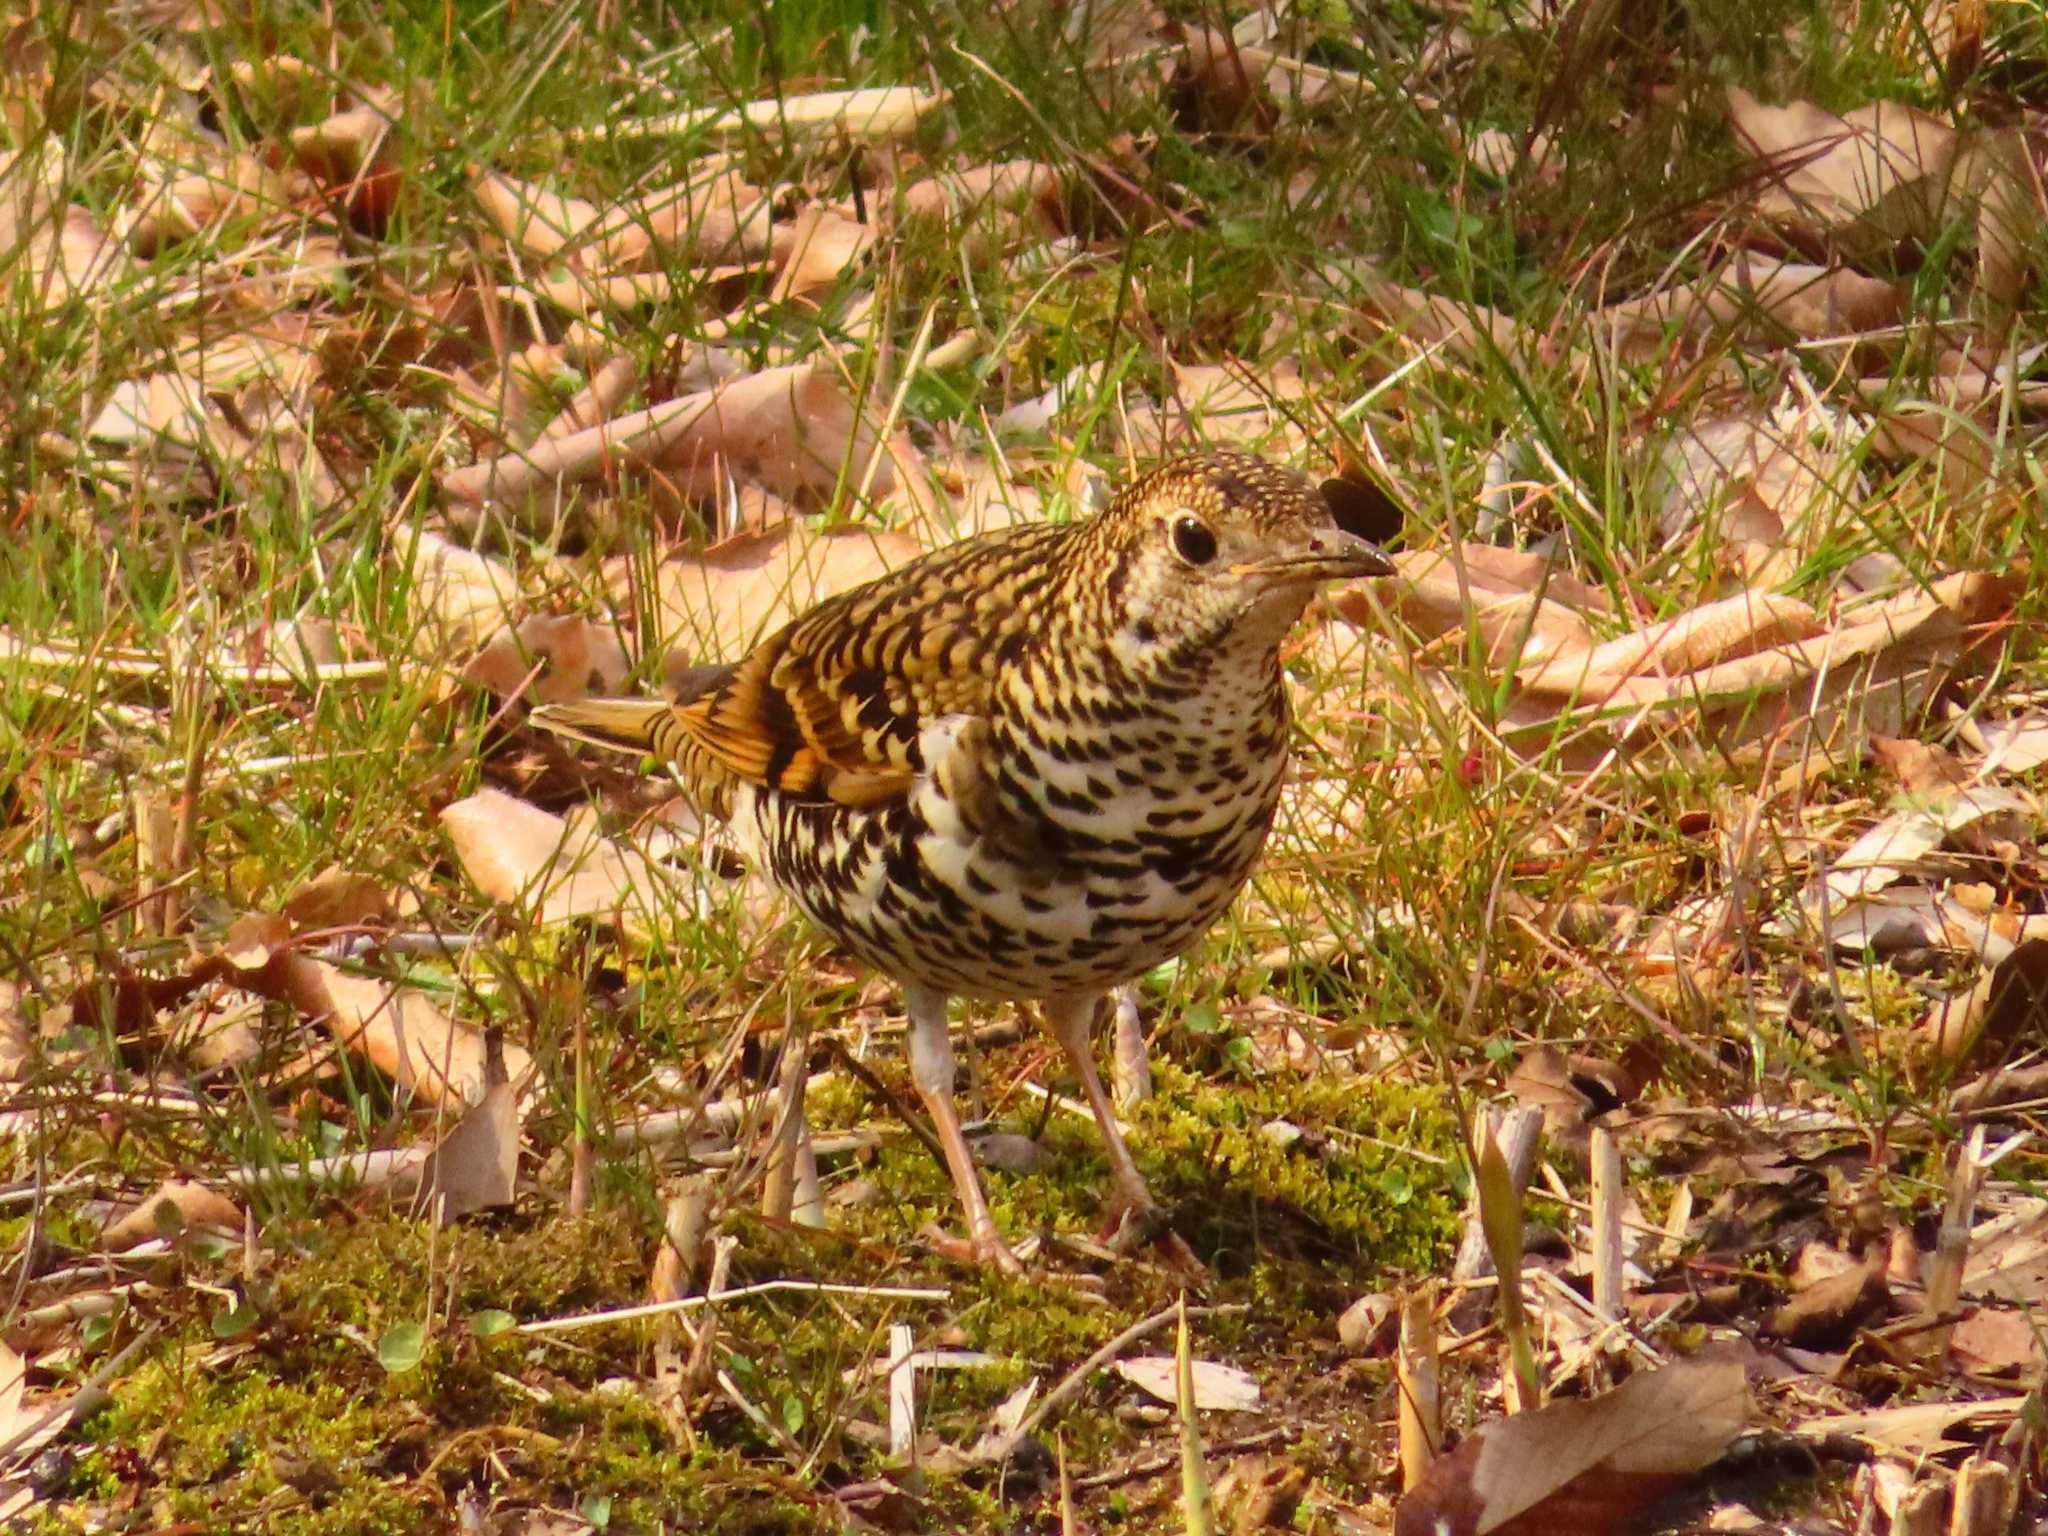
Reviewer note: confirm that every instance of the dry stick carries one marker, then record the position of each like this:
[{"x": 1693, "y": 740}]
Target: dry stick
[
  {"x": 1607, "y": 1198},
  {"x": 778, "y": 1183},
  {"x": 1130, "y": 1058},
  {"x": 863, "y": 1074},
  {"x": 1952, "y": 1242},
  {"x": 1075, "y": 1379},
  {"x": 1131, "y": 1471},
  {"x": 1198, "y": 1513},
  {"x": 902, "y": 1373},
  {"x": 807, "y": 1199},
  {"x": 1985, "y": 1499},
  {"x": 577, "y": 1320},
  {"x": 1415, "y": 1364}
]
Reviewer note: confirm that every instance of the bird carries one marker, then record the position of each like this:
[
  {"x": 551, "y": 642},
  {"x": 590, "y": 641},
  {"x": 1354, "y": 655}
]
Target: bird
[{"x": 1025, "y": 767}]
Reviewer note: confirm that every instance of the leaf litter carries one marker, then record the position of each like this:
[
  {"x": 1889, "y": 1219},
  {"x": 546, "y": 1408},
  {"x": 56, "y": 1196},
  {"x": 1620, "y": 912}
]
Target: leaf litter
[{"x": 1794, "y": 598}]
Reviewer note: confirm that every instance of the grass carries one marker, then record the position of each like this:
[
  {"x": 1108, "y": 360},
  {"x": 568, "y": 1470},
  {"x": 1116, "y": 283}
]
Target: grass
[{"x": 1193, "y": 242}]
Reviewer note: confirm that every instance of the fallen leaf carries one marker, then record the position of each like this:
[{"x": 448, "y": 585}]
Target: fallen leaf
[
  {"x": 26, "y": 1426},
  {"x": 719, "y": 604},
  {"x": 2007, "y": 1006},
  {"x": 1583, "y": 1468},
  {"x": 1914, "y": 1430},
  {"x": 1993, "y": 1341},
  {"x": 815, "y": 250},
  {"x": 338, "y": 898},
  {"x": 1878, "y": 172},
  {"x": 871, "y": 112},
  {"x": 553, "y": 871},
  {"x": 1218, "y": 1388},
  {"x": 476, "y": 1166},
  {"x": 575, "y": 658},
  {"x": 176, "y": 1206}
]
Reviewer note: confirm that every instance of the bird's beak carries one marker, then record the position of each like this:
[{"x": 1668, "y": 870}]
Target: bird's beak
[{"x": 1332, "y": 555}]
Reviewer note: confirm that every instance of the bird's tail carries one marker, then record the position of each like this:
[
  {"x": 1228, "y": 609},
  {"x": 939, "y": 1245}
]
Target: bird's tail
[{"x": 627, "y": 725}]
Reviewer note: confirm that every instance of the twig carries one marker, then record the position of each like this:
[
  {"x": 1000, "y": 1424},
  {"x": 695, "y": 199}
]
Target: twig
[
  {"x": 1415, "y": 1364},
  {"x": 1131, "y": 1471},
  {"x": 1607, "y": 1197},
  {"x": 577, "y": 1320},
  {"x": 866, "y": 1076}
]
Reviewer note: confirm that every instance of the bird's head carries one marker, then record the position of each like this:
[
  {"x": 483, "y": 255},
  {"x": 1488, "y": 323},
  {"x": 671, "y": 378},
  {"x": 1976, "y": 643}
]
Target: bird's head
[{"x": 1221, "y": 549}]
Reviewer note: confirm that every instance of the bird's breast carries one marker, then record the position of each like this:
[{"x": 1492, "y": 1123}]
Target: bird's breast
[{"x": 1045, "y": 850}]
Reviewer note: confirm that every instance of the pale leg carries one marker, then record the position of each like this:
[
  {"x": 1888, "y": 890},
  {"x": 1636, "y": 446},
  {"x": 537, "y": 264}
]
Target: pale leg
[
  {"x": 1072, "y": 1021},
  {"x": 931, "y": 1067}
]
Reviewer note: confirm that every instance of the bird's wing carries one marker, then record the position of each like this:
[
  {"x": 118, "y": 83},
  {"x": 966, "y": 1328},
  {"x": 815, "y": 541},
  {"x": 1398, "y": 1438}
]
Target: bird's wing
[{"x": 832, "y": 707}]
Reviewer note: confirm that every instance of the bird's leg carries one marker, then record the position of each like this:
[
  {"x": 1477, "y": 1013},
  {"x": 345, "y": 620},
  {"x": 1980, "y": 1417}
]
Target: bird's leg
[
  {"x": 931, "y": 1068},
  {"x": 1072, "y": 1021}
]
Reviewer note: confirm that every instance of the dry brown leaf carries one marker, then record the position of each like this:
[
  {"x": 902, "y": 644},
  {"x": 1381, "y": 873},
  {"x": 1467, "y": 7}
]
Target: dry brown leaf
[
  {"x": 1759, "y": 299},
  {"x": 523, "y": 856},
  {"x": 476, "y": 1166},
  {"x": 541, "y": 223},
  {"x": 1520, "y": 605},
  {"x": 2008, "y": 1005},
  {"x": 1766, "y": 479},
  {"x": 1872, "y": 671},
  {"x": 574, "y": 657},
  {"x": 1991, "y": 1341},
  {"x": 2014, "y": 746},
  {"x": 718, "y": 605},
  {"x": 1920, "y": 767},
  {"x": 871, "y": 113},
  {"x": 1585, "y": 1467},
  {"x": 244, "y": 186},
  {"x": 1727, "y": 630},
  {"x": 176, "y": 1206},
  {"x": 1900, "y": 843},
  {"x": 1914, "y": 1430},
  {"x": 791, "y": 429},
  {"x": 338, "y": 898},
  {"x": 458, "y": 596},
  {"x": 2011, "y": 248},
  {"x": 990, "y": 205},
  {"x": 17, "y": 1041},
  {"x": 26, "y": 1425},
  {"x": 815, "y": 250},
  {"x": 1218, "y": 1388},
  {"x": 351, "y": 152},
  {"x": 1827, "y": 1313},
  {"x": 716, "y": 218},
  {"x": 402, "y": 1031},
  {"x": 1880, "y": 170},
  {"x": 1216, "y": 87}
]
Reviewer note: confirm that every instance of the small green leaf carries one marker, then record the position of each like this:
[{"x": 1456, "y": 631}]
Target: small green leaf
[
  {"x": 402, "y": 1347},
  {"x": 793, "y": 1415},
  {"x": 236, "y": 1319},
  {"x": 491, "y": 1322},
  {"x": 1201, "y": 1019},
  {"x": 597, "y": 1509}
]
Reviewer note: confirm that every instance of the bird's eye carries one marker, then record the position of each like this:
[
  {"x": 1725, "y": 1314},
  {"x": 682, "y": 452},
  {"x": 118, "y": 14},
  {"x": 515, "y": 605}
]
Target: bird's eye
[{"x": 1192, "y": 539}]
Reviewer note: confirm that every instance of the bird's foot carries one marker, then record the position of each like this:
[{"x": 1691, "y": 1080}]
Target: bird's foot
[
  {"x": 1143, "y": 1224},
  {"x": 990, "y": 1250}
]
